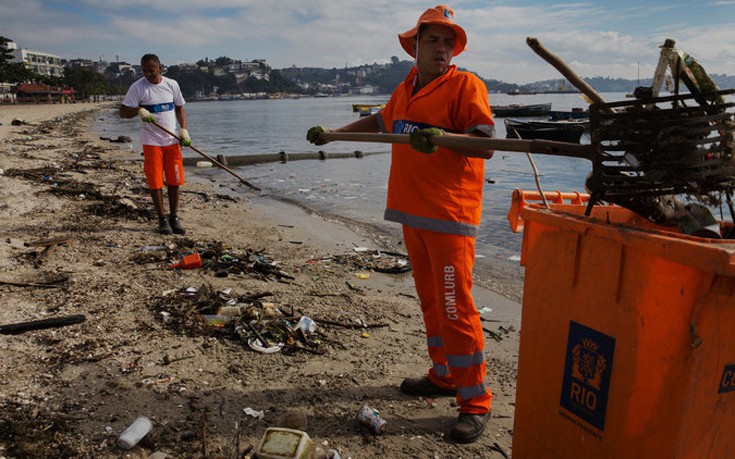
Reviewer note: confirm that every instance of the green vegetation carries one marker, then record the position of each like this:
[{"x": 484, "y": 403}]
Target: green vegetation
[
  {"x": 11, "y": 72},
  {"x": 86, "y": 82}
]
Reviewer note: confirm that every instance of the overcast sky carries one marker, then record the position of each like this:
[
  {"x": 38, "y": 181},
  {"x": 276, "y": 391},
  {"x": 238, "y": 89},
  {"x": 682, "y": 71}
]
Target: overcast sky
[{"x": 615, "y": 38}]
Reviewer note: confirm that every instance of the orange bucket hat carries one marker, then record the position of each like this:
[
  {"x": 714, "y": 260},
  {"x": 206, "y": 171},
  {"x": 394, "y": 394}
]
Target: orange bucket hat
[{"x": 440, "y": 15}]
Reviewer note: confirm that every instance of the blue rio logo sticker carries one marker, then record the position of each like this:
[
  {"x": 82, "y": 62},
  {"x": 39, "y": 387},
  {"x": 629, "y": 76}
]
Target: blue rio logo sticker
[
  {"x": 727, "y": 382},
  {"x": 587, "y": 373}
]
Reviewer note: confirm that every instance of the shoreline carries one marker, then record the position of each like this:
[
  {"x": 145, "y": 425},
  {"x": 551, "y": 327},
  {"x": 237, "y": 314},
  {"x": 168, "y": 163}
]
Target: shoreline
[
  {"x": 500, "y": 275},
  {"x": 74, "y": 389},
  {"x": 504, "y": 277}
]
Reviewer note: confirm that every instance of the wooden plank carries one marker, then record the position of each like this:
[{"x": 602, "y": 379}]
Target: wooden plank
[{"x": 48, "y": 242}]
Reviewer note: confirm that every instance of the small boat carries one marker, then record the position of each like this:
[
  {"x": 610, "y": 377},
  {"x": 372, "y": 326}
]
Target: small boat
[
  {"x": 521, "y": 110},
  {"x": 574, "y": 114},
  {"x": 357, "y": 107},
  {"x": 365, "y": 111},
  {"x": 562, "y": 131}
]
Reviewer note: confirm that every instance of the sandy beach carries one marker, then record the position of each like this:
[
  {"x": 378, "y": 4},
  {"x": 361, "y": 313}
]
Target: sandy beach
[{"x": 78, "y": 238}]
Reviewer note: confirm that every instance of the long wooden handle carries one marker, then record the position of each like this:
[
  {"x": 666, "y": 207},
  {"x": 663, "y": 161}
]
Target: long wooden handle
[
  {"x": 214, "y": 161},
  {"x": 544, "y": 147},
  {"x": 564, "y": 69}
]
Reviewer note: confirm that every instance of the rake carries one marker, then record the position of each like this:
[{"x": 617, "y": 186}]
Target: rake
[{"x": 642, "y": 149}]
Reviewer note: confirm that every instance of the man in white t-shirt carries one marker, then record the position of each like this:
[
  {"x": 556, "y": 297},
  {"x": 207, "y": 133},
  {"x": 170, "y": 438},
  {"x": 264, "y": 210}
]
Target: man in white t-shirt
[{"x": 158, "y": 100}]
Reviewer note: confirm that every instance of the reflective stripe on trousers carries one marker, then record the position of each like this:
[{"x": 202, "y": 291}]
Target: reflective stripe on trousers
[{"x": 442, "y": 271}]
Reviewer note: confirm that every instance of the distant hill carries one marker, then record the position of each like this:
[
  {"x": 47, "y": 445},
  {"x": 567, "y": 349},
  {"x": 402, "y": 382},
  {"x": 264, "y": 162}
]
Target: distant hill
[
  {"x": 385, "y": 77},
  {"x": 607, "y": 84}
]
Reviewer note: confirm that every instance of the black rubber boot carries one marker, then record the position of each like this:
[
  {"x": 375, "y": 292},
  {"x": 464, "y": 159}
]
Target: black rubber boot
[
  {"x": 176, "y": 225},
  {"x": 163, "y": 226},
  {"x": 469, "y": 427}
]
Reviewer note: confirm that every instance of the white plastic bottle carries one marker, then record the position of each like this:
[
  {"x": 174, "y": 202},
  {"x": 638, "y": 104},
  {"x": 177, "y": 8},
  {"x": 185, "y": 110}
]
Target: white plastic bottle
[{"x": 135, "y": 432}]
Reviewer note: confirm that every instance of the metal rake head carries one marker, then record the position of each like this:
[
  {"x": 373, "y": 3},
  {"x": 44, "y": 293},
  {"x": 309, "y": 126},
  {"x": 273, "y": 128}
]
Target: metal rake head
[{"x": 682, "y": 144}]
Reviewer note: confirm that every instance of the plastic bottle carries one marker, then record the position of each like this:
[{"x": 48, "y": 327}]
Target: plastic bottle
[
  {"x": 192, "y": 261},
  {"x": 153, "y": 248},
  {"x": 134, "y": 433},
  {"x": 230, "y": 311}
]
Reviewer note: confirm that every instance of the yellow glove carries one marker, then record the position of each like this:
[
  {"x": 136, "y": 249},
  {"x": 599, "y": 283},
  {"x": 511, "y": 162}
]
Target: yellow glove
[
  {"x": 312, "y": 135},
  {"x": 145, "y": 115},
  {"x": 420, "y": 139},
  {"x": 185, "y": 139}
]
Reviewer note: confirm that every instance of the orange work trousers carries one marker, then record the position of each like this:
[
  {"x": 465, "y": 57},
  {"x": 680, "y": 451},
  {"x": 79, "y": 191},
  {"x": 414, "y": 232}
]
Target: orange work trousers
[
  {"x": 442, "y": 271},
  {"x": 160, "y": 160}
]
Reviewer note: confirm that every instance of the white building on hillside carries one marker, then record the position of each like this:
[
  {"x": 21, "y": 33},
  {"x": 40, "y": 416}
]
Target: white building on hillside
[{"x": 39, "y": 62}]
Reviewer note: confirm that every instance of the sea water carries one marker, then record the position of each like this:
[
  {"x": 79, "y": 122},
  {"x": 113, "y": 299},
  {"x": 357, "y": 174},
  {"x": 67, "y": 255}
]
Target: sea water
[{"x": 352, "y": 188}]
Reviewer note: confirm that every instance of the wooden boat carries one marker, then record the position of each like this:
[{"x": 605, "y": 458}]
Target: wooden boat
[
  {"x": 574, "y": 114},
  {"x": 357, "y": 107},
  {"x": 562, "y": 131},
  {"x": 521, "y": 110},
  {"x": 371, "y": 110}
]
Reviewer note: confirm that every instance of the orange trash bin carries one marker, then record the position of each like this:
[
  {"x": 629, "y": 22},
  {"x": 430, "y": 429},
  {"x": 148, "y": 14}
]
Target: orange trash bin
[{"x": 627, "y": 343}]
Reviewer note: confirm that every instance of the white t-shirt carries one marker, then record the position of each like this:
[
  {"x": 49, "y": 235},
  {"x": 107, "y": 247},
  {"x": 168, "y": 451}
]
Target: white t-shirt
[{"x": 159, "y": 99}]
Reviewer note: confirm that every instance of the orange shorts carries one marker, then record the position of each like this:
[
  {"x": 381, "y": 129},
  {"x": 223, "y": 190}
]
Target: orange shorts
[{"x": 160, "y": 160}]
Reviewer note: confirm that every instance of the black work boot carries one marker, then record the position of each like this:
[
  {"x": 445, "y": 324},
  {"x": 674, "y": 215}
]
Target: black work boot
[
  {"x": 424, "y": 387},
  {"x": 176, "y": 225},
  {"x": 163, "y": 226},
  {"x": 469, "y": 427}
]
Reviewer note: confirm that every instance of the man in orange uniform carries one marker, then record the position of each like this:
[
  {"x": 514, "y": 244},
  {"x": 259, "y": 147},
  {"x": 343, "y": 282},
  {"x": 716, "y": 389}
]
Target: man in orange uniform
[{"x": 437, "y": 197}]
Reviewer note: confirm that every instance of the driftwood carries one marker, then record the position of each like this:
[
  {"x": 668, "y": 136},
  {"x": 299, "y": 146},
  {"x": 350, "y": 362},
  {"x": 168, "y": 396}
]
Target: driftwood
[
  {"x": 22, "y": 327},
  {"x": 49, "y": 242},
  {"x": 50, "y": 284}
]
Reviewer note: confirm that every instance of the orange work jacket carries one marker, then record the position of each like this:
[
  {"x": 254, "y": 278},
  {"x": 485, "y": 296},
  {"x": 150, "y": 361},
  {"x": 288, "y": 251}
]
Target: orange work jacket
[{"x": 441, "y": 191}]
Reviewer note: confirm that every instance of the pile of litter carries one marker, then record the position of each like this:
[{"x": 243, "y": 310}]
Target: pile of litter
[
  {"x": 260, "y": 325},
  {"x": 216, "y": 258}
]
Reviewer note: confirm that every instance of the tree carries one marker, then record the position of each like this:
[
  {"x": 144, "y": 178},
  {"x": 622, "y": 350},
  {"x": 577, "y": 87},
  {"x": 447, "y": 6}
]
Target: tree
[
  {"x": 277, "y": 83},
  {"x": 51, "y": 80},
  {"x": 226, "y": 84},
  {"x": 252, "y": 84},
  {"x": 118, "y": 82},
  {"x": 86, "y": 82},
  {"x": 5, "y": 54},
  {"x": 191, "y": 81},
  {"x": 11, "y": 72},
  {"x": 15, "y": 72},
  {"x": 223, "y": 61}
]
